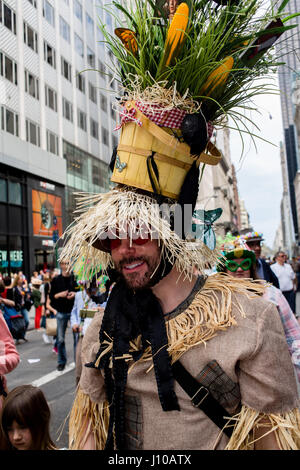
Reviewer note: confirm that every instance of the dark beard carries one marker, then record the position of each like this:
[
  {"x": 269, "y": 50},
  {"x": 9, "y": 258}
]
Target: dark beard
[{"x": 135, "y": 280}]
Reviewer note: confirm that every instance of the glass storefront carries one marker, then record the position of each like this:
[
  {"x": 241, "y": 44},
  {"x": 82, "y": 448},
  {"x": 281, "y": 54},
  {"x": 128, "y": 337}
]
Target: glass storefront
[
  {"x": 84, "y": 173},
  {"x": 13, "y": 227}
]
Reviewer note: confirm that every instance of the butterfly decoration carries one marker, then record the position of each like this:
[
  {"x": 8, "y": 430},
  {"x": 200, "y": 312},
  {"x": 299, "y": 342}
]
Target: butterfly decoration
[
  {"x": 128, "y": 39},
  {"x": 120, "y": 166},
  {"x": 203, "y": 229}
]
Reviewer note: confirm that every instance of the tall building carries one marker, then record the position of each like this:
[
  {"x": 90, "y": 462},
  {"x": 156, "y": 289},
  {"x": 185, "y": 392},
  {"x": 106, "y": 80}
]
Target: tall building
[
  {"x": 56, "y": 121},
  {"x": 287, "y": 75},
  {"x": 244, "y": 217},
  {"x": 218, "y": 187}
]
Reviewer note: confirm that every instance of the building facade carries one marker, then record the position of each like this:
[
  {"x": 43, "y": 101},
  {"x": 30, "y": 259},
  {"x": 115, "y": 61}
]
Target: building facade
[
  {"x": 57, "y": 92},
  {"x": 286, "y": 76},
  {"x": 219, "y": 187}
]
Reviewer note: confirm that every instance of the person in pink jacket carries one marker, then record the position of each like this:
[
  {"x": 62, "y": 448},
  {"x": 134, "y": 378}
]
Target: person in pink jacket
[{"x": 9, "y": 356}]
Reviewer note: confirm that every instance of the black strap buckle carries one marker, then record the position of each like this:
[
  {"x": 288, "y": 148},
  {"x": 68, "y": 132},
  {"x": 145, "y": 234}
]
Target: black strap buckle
[{"x": 199, "y": 396}]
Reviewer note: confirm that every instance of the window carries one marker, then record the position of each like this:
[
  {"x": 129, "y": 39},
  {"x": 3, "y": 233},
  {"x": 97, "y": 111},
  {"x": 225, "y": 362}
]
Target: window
[
  {"x": 89, "y": 25},
  {"x": 113, "y": 113},
  {"x": 115, "y": 141},
  {"x": 67, "y": 110},
  {"x": 92, "y": 93},
  {"x": 100, "y": 37},
  {"x": 94, "y": 129},
  {"x": 78, "y": 10},
  {"x": 66, "y": 69},
  {"x": 104, "y": 135},
  {"x": 49, "y": 54},
  {"x": 82, "y": 120},
  {"x": 108, "y": 20},
  {"x": 101, "y": 68},
  {"x": 31, "y": 85},
  {"x": 78, "y": 45},
  {"x": 90, "y": 57},
  {"x": 66, "y": 2},
  {"x": 52, "y": 143},
  {"x": 8, "y": 68},
  {"x": 80, "y": 82},
  {"x": 8, "y": 17},
  {"x": 33, "y": 133},
  {"x": 14, "y": 193},
  {"x": 9, "y": 121},
  {"x": 48, "y": 12},
  {"x": 50, "y": 98},
  {"x": 111, "y": 81},
  {"x": 3, "y": 190},
  {"x": 103, "y": 102},
  {"x": 64, "y": 29},
  {"x": 30, "y": 37},
  {"x": 33, "y": 2}
]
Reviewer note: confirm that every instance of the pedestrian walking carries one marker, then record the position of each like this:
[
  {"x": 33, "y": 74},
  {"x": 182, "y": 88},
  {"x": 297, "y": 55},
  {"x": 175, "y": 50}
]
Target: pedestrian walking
[
  {"x": 82, "y": 313},
  {"x": 62, "y": 294},
  {"x": 19, "y": 296},
  {"x": 286, "y": 277},
  {"x": 25, "y": 420},
  {"x": 49, "y": 310},
  {"x": 36, "y": 297}
]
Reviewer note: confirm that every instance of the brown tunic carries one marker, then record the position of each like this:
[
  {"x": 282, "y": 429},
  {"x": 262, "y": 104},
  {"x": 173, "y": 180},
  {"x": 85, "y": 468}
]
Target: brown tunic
[{"x": 253, "y": 354}]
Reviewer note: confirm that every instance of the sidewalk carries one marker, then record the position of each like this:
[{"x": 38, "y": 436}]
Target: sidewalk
[{"x": 31, "y": 319}]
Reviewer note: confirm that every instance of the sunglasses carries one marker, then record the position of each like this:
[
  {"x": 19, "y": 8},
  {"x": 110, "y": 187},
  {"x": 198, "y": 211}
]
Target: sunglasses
[
  {"x": 233, "y": 266},
  {"x": 116, "y": 242}
]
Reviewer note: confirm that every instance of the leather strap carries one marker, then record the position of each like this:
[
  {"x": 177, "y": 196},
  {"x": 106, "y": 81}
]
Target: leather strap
[
  {"x": 213, "y": 158},
  {"x": 201, "y": 397}
]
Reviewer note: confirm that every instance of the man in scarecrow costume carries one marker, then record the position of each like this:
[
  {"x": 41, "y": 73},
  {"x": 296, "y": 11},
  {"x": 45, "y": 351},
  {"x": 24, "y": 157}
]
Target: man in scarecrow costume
[{"x": 177, "y": 360}]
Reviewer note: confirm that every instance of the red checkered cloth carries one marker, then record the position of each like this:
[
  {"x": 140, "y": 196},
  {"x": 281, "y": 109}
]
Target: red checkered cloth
[{"x": 162, "y": 117}]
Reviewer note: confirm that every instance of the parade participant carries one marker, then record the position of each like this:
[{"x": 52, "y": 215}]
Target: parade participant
[
  {"x": 286, "y": 277},
  {"x": 25, "y": 420},
  {"x": 175, "y": 354},
  {"x": 62, "y": 293},
  {"x": 263, "y": 269},
  {"x": 240, "y": 262},
  {"x": 36, "y": 297},
  {"x": 83, "y": 312}
]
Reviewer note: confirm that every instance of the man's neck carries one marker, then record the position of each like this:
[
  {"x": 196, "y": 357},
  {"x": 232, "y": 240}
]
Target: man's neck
[{"x": 172, "y": 290}]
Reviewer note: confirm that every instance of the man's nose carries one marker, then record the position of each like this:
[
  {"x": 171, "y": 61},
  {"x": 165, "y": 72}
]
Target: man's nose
[{"x": 126, "y": 246}]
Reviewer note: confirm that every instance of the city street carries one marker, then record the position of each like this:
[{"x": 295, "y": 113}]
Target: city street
[{"x": 38, "y": 367}]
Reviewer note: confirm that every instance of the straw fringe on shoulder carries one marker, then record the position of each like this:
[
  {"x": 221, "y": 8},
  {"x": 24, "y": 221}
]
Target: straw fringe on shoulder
[
  {"x": 286, "y": 427},
  {"x": 122, "y": 208},
  {"x": 210, "y": 312},
  {"x": 87, "y": 416}
]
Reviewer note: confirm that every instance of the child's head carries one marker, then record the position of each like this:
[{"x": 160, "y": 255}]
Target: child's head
[{"x": 25, "y": 419}]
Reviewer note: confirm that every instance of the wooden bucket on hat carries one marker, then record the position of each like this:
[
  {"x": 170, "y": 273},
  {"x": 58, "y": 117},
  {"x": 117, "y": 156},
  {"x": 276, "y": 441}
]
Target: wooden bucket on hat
[{"x": 149, "y": 157}]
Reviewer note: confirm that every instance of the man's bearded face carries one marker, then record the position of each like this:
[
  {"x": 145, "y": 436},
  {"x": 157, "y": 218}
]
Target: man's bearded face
[{"x": 136, "y": 263}]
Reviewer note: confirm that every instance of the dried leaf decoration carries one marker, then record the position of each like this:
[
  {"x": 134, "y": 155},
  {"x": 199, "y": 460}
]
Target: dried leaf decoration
[
  {"x": 128, "y": 39},
  {"x": 218, "y": 77},
  {"x": 175, "y": 37}
]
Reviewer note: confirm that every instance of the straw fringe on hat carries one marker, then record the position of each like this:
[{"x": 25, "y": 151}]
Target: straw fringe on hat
[{"x": 98, "y": 217}]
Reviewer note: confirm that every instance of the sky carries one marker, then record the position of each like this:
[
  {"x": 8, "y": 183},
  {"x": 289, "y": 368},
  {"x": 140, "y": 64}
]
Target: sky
[{"x": 258, "y": 171}]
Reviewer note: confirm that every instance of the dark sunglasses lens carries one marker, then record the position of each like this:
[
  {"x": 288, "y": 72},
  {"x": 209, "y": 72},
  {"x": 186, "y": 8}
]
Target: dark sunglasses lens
[
  {"x": 140, "y": 241},
  {"x": 114, "y": 243}
]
